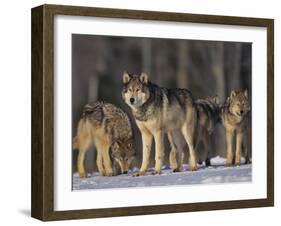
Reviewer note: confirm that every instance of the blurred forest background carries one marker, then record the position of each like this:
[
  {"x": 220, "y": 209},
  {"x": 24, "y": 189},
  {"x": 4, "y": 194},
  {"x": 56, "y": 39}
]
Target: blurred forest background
[{"x": 206, "y": 68}]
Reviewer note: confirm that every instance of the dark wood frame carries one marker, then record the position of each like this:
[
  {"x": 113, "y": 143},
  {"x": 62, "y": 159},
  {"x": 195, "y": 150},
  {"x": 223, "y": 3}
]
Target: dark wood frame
[{"x": 42, "y": 202}]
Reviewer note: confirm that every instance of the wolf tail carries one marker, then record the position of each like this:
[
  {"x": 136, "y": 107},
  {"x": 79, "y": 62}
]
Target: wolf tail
[
  {"x": 84, "y": 135},
  {"x": 91, "y": 119},
  {"x": 75, "y": 143}
]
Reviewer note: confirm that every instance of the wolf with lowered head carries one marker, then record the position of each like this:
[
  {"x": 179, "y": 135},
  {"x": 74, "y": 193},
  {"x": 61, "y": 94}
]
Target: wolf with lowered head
[{"x": 109, "y": 129}]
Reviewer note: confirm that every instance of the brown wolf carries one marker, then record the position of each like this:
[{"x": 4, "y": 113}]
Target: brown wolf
[
  {"x": 235, "y": 119},
  {"x": 158, "y": 111},
  {"x": 106, "y": 127}
]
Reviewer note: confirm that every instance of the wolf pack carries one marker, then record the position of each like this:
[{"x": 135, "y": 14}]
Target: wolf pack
[{"x": 160, "y": 112}]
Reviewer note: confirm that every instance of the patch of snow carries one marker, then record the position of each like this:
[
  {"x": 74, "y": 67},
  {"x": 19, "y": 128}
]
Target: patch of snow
[{"x": 217, "y": 173}]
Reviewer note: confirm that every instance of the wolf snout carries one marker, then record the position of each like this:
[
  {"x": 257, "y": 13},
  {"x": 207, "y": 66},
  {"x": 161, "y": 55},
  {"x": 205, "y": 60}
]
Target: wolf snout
[
  {"x": 241, "y": 112},
  {"x": 132, "y": 100}
]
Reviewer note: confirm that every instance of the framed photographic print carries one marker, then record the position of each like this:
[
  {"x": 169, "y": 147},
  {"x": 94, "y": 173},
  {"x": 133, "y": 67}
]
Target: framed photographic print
[{"x": 141, "y": 112}]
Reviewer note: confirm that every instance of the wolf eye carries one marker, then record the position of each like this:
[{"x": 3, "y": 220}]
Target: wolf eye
[
  {"x": 137, "y": 90},
  {"x": 130, "y": 90},
  {"x": 126, "y": 159}
]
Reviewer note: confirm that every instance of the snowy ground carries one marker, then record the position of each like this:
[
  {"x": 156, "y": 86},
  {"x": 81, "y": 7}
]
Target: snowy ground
[{"x": 217, "y": 173}]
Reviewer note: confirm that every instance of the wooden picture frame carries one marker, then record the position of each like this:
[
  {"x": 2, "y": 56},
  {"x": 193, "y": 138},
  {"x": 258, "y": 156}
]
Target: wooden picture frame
[{"x": 42, "y": 203}]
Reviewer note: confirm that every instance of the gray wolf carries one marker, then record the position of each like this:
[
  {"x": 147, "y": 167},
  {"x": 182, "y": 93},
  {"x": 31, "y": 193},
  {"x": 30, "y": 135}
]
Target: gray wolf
[
  {"x": 157, "y": 111},
  {"x": 208, "y": 111},
  {"x": 109, "y": 129},
  {"x": 235, "y": 119}
]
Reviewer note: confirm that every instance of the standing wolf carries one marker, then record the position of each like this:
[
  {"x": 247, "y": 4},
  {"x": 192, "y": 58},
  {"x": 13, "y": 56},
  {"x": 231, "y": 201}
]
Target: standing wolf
[
  {"x": 208, "y": 116},
  {"x": 107, "y": 127},
  {"x": 235, "y": 119},
  {"x": 159, "y": 110}
]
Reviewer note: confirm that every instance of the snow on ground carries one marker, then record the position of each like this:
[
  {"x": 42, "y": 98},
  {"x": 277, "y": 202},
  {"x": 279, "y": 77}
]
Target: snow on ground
[{"x": 217, "y": 173}]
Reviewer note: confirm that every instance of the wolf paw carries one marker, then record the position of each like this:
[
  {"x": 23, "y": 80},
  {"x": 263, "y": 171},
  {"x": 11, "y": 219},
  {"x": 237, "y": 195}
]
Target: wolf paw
[
  {"x": 237, "y": 163},
  {"x": 207, "y": 162},
  {"x": 228, "y": 164},
  {"x": 82, "y": 175},
  {"x": 193, "y": 168},
  {"x": 102, "y": 174},
  {"x": 140, "y": 173},
  {"x": 115, "y": 174},
  {"x": 109, "y": 174},
  {"x": 247, "y": 161},
  {"x": 178, "y": 169},
  {"x": 156, "y": 172}
]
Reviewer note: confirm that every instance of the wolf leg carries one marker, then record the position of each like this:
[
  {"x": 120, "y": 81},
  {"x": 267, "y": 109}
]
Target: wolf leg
[
  {"x": 207, "y": 143},
  {"x": 80, "y": 163},
  {"x": 83, "y": 146},
  {"x": 146, "y": 148},
  {"x": 159, "y": 151},
  {"x": 173, "y": 152},
  {"x": 246, "y": 148},
  {"x": 82, "y": 142},
  {"x": 192, "y": 156},
  {"x": 199, "y": 152},
  {"x": 188, "y": 131},
  {"x": 103, "y": 146},
  {"x": 176, "y": 154},
  {"x": 247, "y": 155},
  {"x": 229, "y": 143},
  {"x": 100, "y": 164},
  {"x": 239, "y": 142},
  {"x": 107, "y": 162}
]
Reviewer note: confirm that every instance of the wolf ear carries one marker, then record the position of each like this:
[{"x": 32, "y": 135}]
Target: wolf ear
[
  {"x": 246, "y": 93},
  {"x": 232, "y": 94},
  {"x": 126, "y": 77},
  {"x": 115, "y": 146},
  {"x": 144, "y": 78}
]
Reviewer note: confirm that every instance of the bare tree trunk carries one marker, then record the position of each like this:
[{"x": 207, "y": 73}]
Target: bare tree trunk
[
  {"x": 183, "y": 64},
  {"x": 234, "y": 74},
  {"x": 217, "y": 59},
  {"x": 159, "y": 63},
  {"x": 93, "y": 88},
  {"x": 146, "y": 55}
]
